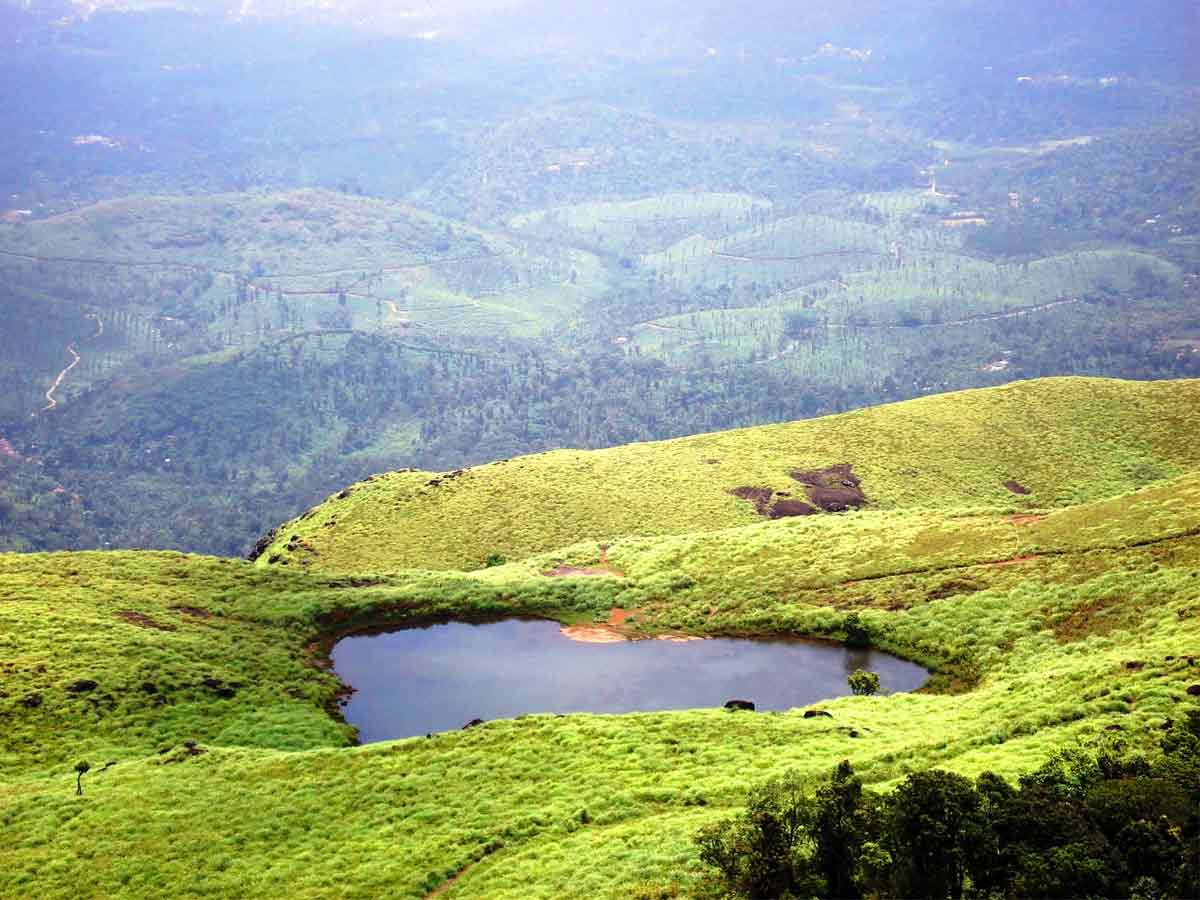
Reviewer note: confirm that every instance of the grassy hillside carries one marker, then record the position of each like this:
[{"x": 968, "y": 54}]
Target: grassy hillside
[
  {"x": 1059, "y": 441},
  {"x": 195, "y": 678}
]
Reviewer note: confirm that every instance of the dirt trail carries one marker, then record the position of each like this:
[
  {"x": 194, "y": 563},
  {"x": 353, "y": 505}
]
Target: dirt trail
[
  {"x": 888, "y": 326},
  {"x": 956, "y": 323},
  {"x": 737, "y": 258},
  {"x": 614, "y": 631},
  {"x": 655, "y": 326},
  {"x": 176, "y": 264},
  {"x": 450, "y": 883},
  {"x": 51, "y": 402},
  {"x": 994, "y": 317},
  {"x": 966, "y": 320}
]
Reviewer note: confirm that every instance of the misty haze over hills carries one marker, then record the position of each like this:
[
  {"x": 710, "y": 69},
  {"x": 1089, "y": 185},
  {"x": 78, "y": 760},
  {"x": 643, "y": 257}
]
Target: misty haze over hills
[
  {"x": 1122, "y": 37},
  {"x": 831, "y": 369}
]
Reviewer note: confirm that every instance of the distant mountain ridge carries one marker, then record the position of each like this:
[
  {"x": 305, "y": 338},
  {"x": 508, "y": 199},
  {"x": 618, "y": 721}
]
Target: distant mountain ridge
[{"x": 1094, "y": 34}]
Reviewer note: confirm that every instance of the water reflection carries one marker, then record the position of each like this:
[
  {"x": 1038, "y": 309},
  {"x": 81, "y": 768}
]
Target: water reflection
[{"x": 439, "y": 677}]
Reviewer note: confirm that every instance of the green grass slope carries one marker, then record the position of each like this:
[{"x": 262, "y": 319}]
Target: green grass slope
[
  {"x": 230, "y": 777},
  {"x": 1066, "y": 441}
]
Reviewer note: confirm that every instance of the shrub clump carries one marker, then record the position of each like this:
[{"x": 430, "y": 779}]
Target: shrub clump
[
  {"x": 863, "y": 683},
  {"x": 1104, "y": 824}
]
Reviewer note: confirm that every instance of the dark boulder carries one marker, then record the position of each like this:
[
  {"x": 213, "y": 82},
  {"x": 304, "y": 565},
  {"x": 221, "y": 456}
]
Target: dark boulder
[
  {"x": 32, "y": 701},
  {"x": 784, "y": 509},
  {"x": 218, "y": 687},
  {"x": 474, "y": 723},
  {"x": 814, "y": 713},
  {"x": 740, "y": 704},
  {"x": 1194, "y": 690},
  {"x": 82, "y": 686},
  {"x": 261, "y": 545}
]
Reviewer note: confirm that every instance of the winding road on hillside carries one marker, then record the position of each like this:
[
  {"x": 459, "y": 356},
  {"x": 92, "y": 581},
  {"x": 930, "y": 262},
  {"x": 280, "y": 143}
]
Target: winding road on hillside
[
  {"x": 738, "y": 258},
  {"x": 397, "y": 315},
  {"x": 194, "y": 267},
  {"x": 51, "y": 402}
]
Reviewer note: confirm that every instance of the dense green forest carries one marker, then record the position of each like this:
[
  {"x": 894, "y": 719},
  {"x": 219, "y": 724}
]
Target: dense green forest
[{"x": 1106, "y": 823}]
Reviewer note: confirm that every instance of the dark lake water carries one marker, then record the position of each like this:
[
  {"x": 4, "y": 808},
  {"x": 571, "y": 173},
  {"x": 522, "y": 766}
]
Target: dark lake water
[{"x": 440, "y": 677}]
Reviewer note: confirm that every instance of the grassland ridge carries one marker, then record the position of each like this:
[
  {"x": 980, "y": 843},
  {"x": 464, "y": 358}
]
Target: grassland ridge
[{"x": 1055, "y": 442}]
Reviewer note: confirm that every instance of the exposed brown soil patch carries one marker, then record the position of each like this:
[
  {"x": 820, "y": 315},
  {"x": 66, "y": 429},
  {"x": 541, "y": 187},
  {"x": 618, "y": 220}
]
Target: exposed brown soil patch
[
  {"x": 952, "y": 588},
  {"x": 1016, "y": 487},
  {"x": 583, "y": 572},
  {"x": 786, "y": 508},
  {"x": 142, "y": 620},
  {"x": 193, "y": 611},
  {"x": 619, "y": 617},
  {"x": 835, "y": 489},
  {"x": 594, "y": 634},
  {"x": 1085, "y": 621},
  {"x": 1026, "y": 519},
  {"x": 613, "y": 631},
  {"x": 172, "y": 755},
  {"x": 1015, "y": 561}
]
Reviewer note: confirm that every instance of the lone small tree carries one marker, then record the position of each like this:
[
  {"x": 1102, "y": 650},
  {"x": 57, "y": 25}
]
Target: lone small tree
[
  {"x": 863, "y": 683},
  {"x": 82, "y": 768}
]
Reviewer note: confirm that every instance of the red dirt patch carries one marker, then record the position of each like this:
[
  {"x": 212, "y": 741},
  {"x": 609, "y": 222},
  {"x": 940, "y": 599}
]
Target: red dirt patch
[
  {"x": 1015, "y": 561},
  {"x": 835, "y": 489},
  {"x": 613, "y": 631},
  {"x": 142, "y": 620},
  {"x": 1016, "y": 487},
  {"x": 583, "y": 572},
  {"x": 619, "y": 617},
  {"x": 1026, "y": 519}
]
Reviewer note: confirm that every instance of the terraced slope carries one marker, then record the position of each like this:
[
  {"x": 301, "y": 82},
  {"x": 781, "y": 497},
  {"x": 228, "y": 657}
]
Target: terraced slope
[
  {"x": 386, "y": 265},
  {"x": 1034, "y": 445}
]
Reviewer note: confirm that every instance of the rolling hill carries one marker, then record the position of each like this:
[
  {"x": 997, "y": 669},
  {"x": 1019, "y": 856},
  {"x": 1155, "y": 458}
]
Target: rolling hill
[
  {"x": 192, "y": 684},
  {"x": 1026, "y": 446}
]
